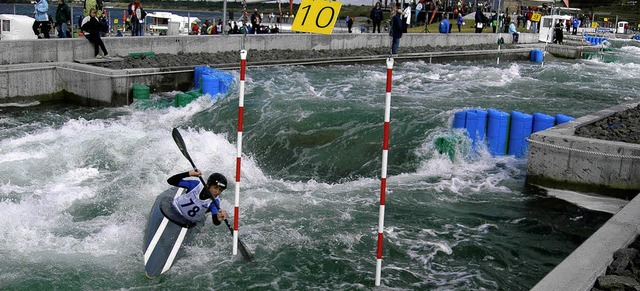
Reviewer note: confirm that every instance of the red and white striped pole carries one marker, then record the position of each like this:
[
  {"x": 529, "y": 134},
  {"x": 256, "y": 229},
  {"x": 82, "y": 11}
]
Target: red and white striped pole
[
  {"x": 383, "y": 175},
  {"x": 236, "y": 210}
]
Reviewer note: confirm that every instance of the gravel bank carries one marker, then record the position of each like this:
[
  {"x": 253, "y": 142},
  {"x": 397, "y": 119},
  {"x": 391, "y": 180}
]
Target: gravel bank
[
  {"x": 256, "y": 56},
  {"x": 621, "y": 126}
]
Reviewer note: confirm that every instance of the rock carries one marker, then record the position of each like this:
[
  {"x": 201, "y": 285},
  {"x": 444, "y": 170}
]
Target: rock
[
  {"x": 614, "y": 282},
  {"x": 621, "y": 126}
]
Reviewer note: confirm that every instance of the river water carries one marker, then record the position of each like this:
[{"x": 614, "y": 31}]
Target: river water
[{"x": 77, "y": 183}]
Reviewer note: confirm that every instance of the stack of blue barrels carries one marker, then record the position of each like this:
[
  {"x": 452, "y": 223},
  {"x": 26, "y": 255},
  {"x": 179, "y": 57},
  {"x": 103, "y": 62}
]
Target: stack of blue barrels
[
  {"x": 594, "y": 39},
  {"x": 211, "y": 81},
  {"x": 505, "y": 134}
]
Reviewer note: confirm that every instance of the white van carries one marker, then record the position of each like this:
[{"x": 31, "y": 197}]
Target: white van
[
  {"x": 621, "y": 27},
  {"x": 547, "y": 23},
  {"x": 16, "y": 27}
]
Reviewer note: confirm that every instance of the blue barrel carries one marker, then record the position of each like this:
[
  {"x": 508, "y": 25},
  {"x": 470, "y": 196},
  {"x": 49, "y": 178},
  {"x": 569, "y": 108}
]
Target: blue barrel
[
  {"x": 561, "y": 118},
  {"x": 197, "y": 74},
  {"x": 542, "y": 121},
  {"x": 470, "y": 125},
  {"x": 443, "y": 27},
  {"x": 210, "y": 85},
  {"x": 481, "y": 126},
  {"x": 497, "y": 132},
  {"x": 225, "y": 81},
  {"x": 536, "y": 56},
  {"x": 521, "y": 126},
  {"x": 459, "y": 118}
]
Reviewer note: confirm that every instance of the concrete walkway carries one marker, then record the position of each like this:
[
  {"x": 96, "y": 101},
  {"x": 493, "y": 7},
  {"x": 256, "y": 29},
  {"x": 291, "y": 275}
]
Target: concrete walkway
[{"x": 582, "y": 267}]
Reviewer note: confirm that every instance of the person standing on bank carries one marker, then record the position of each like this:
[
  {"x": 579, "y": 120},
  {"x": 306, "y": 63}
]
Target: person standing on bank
[
  {"x": 41, "y": 13},
  {"x": 406, "y": 18},
  {"x": 396, "y": 30},
  {"x": 197, "y": 202},
  {"x": 376, "y": 17},
  {"x": 481, "y": 20},
  {"x": 460, "y": 21},
  {"x": 91, "y": 27},
  {"x": 63, "y": 19},
  {"x": 134, "y": 11}
]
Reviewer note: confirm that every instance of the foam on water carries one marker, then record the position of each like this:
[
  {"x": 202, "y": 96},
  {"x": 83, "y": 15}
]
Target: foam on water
[
  {"x": 75, "y": 194},
  {"x": 102, "y": 175}
]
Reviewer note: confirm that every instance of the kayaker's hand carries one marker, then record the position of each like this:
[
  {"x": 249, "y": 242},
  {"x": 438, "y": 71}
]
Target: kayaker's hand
[{"x": 221, "y": 215}]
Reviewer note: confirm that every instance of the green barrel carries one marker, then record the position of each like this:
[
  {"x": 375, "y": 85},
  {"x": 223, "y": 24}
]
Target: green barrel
[
  {"x": 141, "y": 91},
  {"x": 182, "y": 99},
  {"x": 195, "y": 93}
]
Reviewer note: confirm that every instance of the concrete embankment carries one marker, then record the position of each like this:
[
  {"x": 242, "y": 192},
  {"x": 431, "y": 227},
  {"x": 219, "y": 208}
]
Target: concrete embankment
[
  {"x": 68, "y": 50},
  {"x": 43, "y": 70},
  {"x": 558, "y": 158},
  {"x": 583, "y": 266}
]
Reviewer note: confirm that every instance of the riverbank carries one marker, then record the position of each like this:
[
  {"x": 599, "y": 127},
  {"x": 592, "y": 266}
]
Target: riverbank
[{"x": 231, "y": 58}]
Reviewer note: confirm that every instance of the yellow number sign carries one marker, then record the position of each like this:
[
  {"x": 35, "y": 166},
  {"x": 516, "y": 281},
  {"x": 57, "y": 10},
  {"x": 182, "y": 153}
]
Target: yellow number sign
[
  {"x": 536, "y": 17},
  {"x": 316, "y": 16}
]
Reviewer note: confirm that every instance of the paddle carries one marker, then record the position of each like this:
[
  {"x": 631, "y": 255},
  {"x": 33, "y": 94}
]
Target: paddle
[{"x": 180, "y": 143}]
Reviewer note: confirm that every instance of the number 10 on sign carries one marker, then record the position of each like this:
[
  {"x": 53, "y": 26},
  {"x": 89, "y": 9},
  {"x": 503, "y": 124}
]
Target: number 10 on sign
[{"x": 316, "y": 16}]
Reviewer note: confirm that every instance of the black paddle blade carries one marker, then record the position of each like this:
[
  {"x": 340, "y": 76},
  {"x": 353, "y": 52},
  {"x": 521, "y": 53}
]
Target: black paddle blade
[
  {"x": 245, "y": 252},
  {"x": 180, "y": 143}
]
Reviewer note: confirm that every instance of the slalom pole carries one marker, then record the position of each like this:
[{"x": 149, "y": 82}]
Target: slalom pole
[
  {"x": 236, "y": 210},
  {"x": 383, "y": 175}
]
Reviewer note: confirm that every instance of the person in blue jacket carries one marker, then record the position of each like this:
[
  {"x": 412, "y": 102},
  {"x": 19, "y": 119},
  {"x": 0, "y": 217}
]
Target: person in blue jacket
[
  {"x": 514, "y": 32},
  {"x": 575, "y": 23},
  {"x": 41, "y": 14},
  {"x": 197, "y": 201}
]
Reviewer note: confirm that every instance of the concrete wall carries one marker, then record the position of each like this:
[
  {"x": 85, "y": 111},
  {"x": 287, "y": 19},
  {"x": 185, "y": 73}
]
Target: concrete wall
[
  {"x": 579, "y": 271},
  {"x": 67, "y": 50},
  {"x": 559, "y": 159}
]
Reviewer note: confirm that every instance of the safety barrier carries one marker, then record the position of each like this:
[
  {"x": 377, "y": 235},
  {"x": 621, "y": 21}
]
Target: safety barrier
[
  {"x": 211, "y": 81},
  {"x": 595, "y": 40},
  {"x": 206, "y": 81},
  {"x": 505, "y": 134}
]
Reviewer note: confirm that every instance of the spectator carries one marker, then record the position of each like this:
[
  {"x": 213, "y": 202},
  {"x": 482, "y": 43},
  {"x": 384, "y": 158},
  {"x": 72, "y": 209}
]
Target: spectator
[
  {"x": 41, "y": 25},
  {"x": 91, "y": 27},
  {"x": 481, "y": 19},
  {"x": 460, "y": 22},
  {"x": 63, "y": 19},
  {"x": 204, "y": 28},
  {"x": 396, "y": 29},
  {"x": 376, "y": 17},
  {"x": 255, "y": 21},
  {"x": 418, "y": 9},
  {"x": 558, "y": 33},
  {"x": 514, "y": 32},
  {"x": 141, "y": 14},
  {"x": 406, "y": 18},
  {"x": 349, "y": 23},
  {"x": 575, "y": 23},
  {"x": 195, "y": 29},
  {"x": 133, "y": 18}
]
